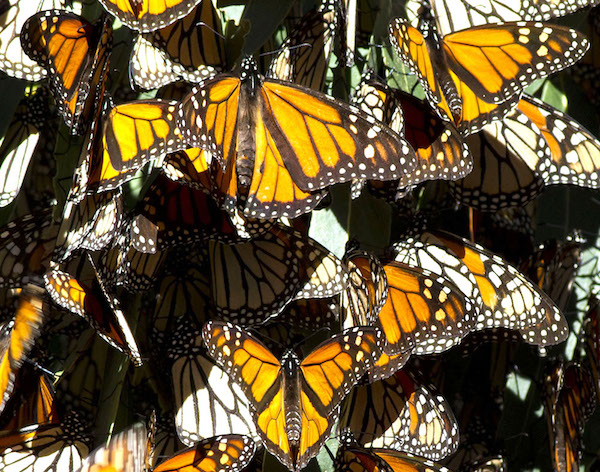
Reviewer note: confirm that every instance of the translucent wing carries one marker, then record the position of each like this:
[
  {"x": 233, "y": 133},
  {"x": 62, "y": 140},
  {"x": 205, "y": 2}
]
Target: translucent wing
[
  {"x": 510, "y": 158},
  {"x": 451, "y": 15},
  {"x": 304, "y": 55},
  {"x": 125, "y": 451},
  {"x": 509, "y": 299},
  {"x": 367, "y": 289},
  {"x": 401, "y": 413},
  {"x": 575, "y": 151},
  {"x": 95, "y": 305},
  {"x": 49, "y": 446},
  {"x": 208, "y": 403},
  {"x": 13, "y": 59},
  {"x": 191, "y": 48},
  {"x": 256, "y": 279}
]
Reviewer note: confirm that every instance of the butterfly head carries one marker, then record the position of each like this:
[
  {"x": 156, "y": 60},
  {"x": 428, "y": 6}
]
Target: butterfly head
[
  {"x": 249, "y": 72},
  {"x": 290, "y": 362}
]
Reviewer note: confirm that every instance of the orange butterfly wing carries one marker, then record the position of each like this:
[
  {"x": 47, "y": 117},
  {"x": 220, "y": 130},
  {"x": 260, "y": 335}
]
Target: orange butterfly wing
[
  {"x": 137, "y": 132},
  {"x": 63, "y": 42},
  {"x": 230, "y": 452},
  {"x": 424, "y": 313},
  {"x": 499, "y": 61},
  {"x": 16, "y": 340},
  {"x": 509, "y": 299},
  {"x": 95, "y": 305},
  {"x": 148, "y": 15}
]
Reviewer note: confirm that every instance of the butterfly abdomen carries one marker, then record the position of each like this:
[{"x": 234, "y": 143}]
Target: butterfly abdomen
[
  {"x": 291, "y": 389},
  {"x": 246, "y": 145}
]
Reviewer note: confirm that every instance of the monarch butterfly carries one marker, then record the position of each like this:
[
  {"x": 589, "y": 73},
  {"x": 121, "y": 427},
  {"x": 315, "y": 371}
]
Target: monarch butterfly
[
  {"x": 441, "y": 152},
  {"x": 208, "y": 403},
  {"x": 89, "y": 224},
  {"x": 568, "y": 403},
  {"x": 45, "y": 447},
  {"x": 95, "y": 305},
  {"x": 464, "y": 85},
  {"x": 20, "y": 143},
  {"x": 414, "y": 418},
  {"x": 535, "y": 145},
  {"x": 13, "y": 60},
  {"x": 453, "y": 16},
  {"x": 353, "y": 458},
  {"x": 148, "y": 15},
  {"x": 231, "y": 453},
  {"x": 76, "y": 55},
  {"x": 191, "y": 48},
  {"x": 256, "y": 279},
  {"x": 17, "y": 338},
  {"x": 367, "y": 289},
  {"x": 336, "y": 142},
  {"x": 509, "y": 299},
  {"x": 294, "y": 403},
  {"x": 26, "y": 246},
  {"x": 423, "y": 313},
  {"x": 304, "y": 55}
]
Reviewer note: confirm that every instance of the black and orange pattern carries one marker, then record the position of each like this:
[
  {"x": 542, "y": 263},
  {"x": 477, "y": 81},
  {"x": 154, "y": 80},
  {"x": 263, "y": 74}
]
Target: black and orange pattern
[
  {"x": 179, "y": 204},
  {"x": 294, "y": 402}
]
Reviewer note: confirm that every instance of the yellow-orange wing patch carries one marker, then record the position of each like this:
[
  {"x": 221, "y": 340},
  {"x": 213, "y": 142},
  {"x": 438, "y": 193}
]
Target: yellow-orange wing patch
[
  {"x": 499, "y": 61},
  {"x": 148, "y": 15},
  {"x": 247, "y": 360},
  {"x": 322, "y": 141},
  {"x": 210, "y": 114},
  {"x": 410, "y": 45},
  {"x": 17, "y": 338},
  {"x": 137, "y": 132},
  {"x": 229, "y": 452},
  {"x": 76, "y": 55},
  {"x": 424, "y": 313},
  {"x": 575, "y": 151}
]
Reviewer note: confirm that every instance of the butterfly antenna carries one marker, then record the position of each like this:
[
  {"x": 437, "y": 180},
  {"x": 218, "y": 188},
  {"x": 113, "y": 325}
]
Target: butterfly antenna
[
  {"x": 312, "y": 335},
  {"x": 206, "y": 25},
  {"x": 39, "y": 367},
  {"x": 289, "y": 48}
]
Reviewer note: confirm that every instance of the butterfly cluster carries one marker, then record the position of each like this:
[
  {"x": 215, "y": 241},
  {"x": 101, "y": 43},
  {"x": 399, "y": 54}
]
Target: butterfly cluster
[{"x": 293, "y": 235}]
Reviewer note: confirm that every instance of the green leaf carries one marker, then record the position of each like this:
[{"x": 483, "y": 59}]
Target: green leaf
[{"x": 263, "y": 24}]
